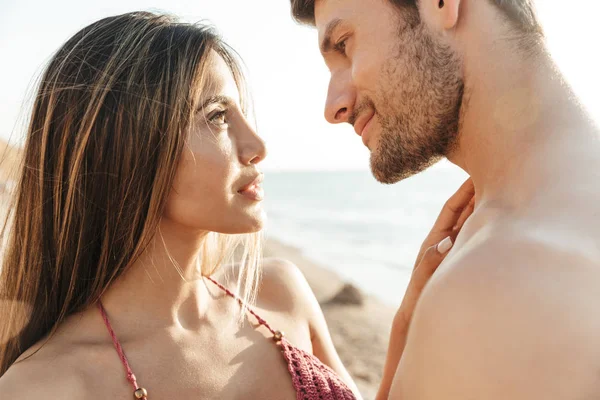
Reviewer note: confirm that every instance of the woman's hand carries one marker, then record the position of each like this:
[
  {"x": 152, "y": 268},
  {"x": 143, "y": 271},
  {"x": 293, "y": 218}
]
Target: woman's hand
[
  {"x": 436, "y": 245},
  {"x": 433, "y": 251}
]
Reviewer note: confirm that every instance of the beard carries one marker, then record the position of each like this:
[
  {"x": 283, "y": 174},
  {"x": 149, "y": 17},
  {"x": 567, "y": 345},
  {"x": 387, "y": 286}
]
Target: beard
[{"x": 418, "y": 106}]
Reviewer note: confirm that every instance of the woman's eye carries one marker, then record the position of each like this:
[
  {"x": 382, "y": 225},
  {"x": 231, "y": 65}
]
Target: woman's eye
[{"x": 218, "y": 118}]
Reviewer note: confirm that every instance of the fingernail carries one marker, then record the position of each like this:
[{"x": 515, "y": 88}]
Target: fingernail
[{"x": 445, "y": 245}]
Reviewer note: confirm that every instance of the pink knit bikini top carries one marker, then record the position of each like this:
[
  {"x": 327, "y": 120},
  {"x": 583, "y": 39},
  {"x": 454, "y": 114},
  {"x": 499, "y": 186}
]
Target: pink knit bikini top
[{"x": 311, "y": 379}]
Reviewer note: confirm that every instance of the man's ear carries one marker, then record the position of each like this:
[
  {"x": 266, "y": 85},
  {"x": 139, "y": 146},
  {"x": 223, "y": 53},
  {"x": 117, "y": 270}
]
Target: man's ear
[{"x": 440, "y": 14}]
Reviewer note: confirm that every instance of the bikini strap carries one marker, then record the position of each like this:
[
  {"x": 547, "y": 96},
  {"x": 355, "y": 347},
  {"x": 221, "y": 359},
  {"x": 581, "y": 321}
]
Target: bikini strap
[
  {"x": 139, "y": 392},
  {"x": 277, "y": 335}
]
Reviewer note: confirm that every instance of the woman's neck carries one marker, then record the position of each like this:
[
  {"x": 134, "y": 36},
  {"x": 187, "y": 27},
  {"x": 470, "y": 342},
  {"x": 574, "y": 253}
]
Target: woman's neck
[{"x": 164, "y": 287}]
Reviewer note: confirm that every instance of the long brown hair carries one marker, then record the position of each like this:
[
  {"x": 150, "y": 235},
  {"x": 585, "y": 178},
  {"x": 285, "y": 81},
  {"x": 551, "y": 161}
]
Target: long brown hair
[{"x": 103, "y": 145}]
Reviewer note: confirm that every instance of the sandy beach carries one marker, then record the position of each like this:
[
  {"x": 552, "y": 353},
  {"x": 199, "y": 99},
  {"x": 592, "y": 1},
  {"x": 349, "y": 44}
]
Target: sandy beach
[{"x": 360, "y": 332}]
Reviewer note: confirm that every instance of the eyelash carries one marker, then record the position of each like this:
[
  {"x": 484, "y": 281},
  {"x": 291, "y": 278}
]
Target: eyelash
[
  {"x": 213, "y": 119},
  {"x": 340, "y": 46}
]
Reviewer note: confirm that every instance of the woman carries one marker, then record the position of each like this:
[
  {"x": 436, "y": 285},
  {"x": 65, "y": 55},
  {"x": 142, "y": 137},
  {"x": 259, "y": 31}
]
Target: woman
[{"x": 140, "y": 178}]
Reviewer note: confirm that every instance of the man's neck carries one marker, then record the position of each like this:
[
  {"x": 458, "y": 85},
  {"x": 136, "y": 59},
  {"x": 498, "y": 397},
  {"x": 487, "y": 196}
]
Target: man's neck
[{"x": 519, "y": 124}]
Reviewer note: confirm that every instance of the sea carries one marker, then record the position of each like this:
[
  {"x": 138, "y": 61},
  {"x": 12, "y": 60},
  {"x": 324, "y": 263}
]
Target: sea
[{"x": 367, "y": 232}]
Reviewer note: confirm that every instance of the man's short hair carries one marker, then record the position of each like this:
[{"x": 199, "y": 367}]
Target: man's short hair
[{"x": 521, "y": 13}]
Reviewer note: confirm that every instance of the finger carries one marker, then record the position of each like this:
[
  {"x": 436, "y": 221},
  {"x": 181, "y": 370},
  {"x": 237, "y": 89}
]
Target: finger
[
  {"x": 454, "y": 207},
  {"x": 466, "y": 213},
  {"x": 432, "y": 258}
]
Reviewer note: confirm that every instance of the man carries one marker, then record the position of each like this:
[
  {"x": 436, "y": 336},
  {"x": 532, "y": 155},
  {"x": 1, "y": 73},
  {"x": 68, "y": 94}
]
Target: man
[{"x": 512, "y": 313}]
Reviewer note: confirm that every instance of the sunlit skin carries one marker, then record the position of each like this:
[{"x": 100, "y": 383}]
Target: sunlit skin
[
  {"x": 500, "y": 318},
  {"x": 402, "y": 96},
  {"x": 179, "y": 330}
]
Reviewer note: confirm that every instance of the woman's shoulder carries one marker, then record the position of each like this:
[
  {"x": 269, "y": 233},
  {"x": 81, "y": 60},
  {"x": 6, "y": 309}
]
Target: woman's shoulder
[
  {"x": 42, "y": 375},
  {"x": 63, "y": 365},
  {"x": 283, "y": 284},
  {"x": 284, "y": 288}
]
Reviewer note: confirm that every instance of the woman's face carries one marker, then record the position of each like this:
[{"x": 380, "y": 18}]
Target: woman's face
[{"x": 218, "y": 183}]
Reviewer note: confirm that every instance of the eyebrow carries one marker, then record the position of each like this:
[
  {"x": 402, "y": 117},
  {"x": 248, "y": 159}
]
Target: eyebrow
[
  {"x": 326, "y": 44},
  {"x": 217, "y": 99}
]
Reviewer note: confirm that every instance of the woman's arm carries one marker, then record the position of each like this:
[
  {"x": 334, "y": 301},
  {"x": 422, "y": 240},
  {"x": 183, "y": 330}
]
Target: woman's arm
[{"x": 433, "y": 251}]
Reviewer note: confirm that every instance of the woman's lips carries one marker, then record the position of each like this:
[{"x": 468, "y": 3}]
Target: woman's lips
[{"x": 254, "y": 190}]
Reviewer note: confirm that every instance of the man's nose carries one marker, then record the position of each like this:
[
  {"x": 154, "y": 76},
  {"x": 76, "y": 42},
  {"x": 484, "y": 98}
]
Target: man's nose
[{"x": 341, "y": 97}]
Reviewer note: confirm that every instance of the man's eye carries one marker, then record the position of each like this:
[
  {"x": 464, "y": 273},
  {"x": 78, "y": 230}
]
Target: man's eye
[{"x": 340, "y": 46}]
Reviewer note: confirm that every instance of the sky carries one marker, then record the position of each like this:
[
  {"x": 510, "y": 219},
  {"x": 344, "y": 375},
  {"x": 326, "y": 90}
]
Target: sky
[{"x": 287, "y": 76}]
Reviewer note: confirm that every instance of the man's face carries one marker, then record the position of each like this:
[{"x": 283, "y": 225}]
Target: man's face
[{"x": 394, "y": 80}]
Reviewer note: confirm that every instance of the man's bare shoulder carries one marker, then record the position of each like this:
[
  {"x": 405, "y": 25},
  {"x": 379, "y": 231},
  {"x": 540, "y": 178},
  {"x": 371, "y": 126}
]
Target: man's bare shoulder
[
  {"x": 514, "y": 251},
  {"x": 503, "y": 318}
]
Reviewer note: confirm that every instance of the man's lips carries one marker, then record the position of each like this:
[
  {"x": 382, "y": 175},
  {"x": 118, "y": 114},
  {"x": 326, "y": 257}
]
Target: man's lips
[
  {"x": 362, "y": 121},
  {"x": 362, "y": 124}
]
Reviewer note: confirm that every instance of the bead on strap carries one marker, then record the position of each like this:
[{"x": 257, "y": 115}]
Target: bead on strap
[{"x": 139, "y": 392}]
